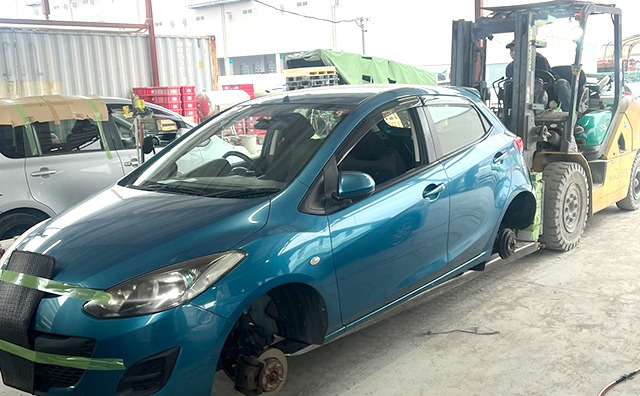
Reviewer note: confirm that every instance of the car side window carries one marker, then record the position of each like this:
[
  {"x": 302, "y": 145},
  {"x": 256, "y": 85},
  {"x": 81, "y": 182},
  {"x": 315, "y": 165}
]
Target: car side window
[
  {"x": 67, "y": 136},
  {"x": 456, "y": 126},
  {"x": 388, "y": 150},
  {"x": 12, "y": 142},
  {"x": 125, "y": 132}
]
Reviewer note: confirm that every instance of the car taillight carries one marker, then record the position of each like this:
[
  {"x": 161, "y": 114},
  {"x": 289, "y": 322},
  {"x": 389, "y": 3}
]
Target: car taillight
[{"x": 519, "y": 145}]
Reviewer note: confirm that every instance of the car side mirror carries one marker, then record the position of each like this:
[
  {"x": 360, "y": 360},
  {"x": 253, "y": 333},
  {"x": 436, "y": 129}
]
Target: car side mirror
[
  {"x": 353, "y": 184},
  {"x": 147, "y": 145}
]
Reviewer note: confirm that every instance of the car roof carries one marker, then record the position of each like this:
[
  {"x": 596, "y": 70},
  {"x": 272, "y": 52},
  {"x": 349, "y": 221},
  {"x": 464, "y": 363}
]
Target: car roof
[
  {"x": 354, "y": 95},
  {"x": 50, "y": 108}
]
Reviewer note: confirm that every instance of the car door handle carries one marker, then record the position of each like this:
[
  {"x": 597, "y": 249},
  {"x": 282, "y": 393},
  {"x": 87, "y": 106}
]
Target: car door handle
[
  {"x": 44, "y": 172},
  {"x": 132, "y": 162},
  {"x": 432, "y": 192},
  {"x": 499, "y": 157}
]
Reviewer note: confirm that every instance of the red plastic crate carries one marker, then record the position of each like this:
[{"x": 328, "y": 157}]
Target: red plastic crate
[
  {"x": 188, "y": 97},
  {"x": 173, "y": 106},
  {"x": 189, "y": 112},
  {"x": 166, "y": 99},
  {"x": 239, "y": 86},
  {"x": 248, "y": 88},
  {"x": 143, "y": 91},
  {"x": 145, "y": 98},
  {"x": 189, "y": 105},
  {"x": 187, "y": 90},
  {"x": 165, "y": 91}
]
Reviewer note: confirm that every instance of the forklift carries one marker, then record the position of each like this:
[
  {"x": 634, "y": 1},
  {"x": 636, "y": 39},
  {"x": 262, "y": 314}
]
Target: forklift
[{"x": 583, "y": 155}]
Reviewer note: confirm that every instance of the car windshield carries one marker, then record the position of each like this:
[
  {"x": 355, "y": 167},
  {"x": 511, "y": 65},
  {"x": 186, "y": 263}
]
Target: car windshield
[{"x": 249, "y": 151}]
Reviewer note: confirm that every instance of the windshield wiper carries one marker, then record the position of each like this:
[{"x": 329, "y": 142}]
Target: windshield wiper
[
  {"x": 170, "y": 188},
  {"x": 246, "y": 193}
]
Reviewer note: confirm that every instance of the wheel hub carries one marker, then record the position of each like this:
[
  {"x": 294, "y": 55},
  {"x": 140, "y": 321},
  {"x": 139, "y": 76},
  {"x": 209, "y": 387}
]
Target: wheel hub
[
  {"x": 571, "y": 208},
  {"x": 636, "y": 184},
  {"x": 274, "y": 370},
  {"x": 272, "y": 375}
]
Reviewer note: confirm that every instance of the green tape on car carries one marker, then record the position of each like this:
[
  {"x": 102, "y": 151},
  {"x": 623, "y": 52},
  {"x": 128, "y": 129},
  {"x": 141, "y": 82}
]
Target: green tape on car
[
  {"x": 99, "y": 122},
  {"x": 27, "y": 128},
  {"x": 532, "y": 233},
  {"x": 53, "y": 287},
  {"x": 61, "y": 360}
]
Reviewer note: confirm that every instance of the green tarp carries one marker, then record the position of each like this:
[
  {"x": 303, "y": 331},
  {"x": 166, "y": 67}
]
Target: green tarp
[{"x": 358, "y": 69}]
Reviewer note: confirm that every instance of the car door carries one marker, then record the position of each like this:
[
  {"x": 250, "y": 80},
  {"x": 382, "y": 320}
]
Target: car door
[
  {"x": 14, "y": 149},
  {"x": 473, "y": 155},
  {"x": 72, "y": 162},
  {"x": 125, "y": 144},
  {"x": 389, "y": 243}
]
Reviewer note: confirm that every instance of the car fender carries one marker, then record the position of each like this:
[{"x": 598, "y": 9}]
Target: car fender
[
  {"x": 292, "y": 248},
  {"x": 26, "y": 205},
  {"x": 519, "y": 188},
  {"x": 263, "y": 271}
]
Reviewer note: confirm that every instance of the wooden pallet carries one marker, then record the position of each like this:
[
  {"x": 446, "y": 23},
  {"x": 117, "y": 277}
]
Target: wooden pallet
[{"x": 310, "y": 72}]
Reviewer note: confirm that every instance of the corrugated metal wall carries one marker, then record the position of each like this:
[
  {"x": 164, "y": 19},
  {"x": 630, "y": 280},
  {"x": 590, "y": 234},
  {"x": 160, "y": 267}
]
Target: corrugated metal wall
[{"x": 38, "y": 62}]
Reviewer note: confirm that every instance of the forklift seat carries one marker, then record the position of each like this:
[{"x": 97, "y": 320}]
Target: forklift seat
[{"x": 583, "y": 92}]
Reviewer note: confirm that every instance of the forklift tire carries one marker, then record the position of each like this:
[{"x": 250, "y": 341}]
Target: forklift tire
[
  {"x": 566, "y": 200},
  {"x": 632, "y": 200}
]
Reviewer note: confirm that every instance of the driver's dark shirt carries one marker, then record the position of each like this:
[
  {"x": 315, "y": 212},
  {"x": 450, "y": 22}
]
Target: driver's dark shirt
[{"x": 541, "y": 64}]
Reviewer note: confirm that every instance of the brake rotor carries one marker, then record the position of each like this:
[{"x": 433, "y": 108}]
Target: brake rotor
[
  {"x": 274, "y": 370},
  {"x": 507, "y": 243}
]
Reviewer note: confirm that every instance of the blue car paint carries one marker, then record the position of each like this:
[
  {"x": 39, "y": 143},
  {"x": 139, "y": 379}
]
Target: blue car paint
[
  {"x": 133, "y": 339},
  {"x": 122, "y": 233},
  {"x": 476, "y": 193},
  {"x": 390, "y": 243},
  {"x": 279, "y": 254},
  {"x": 280, "y": 242}
]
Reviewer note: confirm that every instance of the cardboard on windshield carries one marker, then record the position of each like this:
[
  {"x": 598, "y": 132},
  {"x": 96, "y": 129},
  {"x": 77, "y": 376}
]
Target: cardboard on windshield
[{"x": 50, "y": 108}]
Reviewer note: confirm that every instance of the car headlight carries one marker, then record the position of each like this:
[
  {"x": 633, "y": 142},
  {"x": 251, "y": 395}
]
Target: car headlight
[{"x": 166, "y": 288}]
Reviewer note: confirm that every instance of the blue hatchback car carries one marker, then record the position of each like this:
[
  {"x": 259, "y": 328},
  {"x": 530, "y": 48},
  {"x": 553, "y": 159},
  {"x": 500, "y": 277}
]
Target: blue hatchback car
[{"x": 202, "y": 259}]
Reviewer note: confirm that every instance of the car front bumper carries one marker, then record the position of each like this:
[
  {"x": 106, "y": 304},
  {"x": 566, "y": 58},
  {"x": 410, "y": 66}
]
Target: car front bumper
[{"x": 191, "y": 334}]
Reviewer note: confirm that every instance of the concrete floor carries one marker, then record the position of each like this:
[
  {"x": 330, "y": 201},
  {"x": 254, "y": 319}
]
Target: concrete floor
[
  {"x": 567, "y": 325},
  {"x": 560, "y": 324}
]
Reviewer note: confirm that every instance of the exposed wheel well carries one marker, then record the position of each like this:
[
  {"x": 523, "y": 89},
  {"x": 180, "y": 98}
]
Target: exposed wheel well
[
  {"x": 32, "y": 211},
  {"x": 521, "y": 212},
  {"x": 293, "y": 316},
  {"x": 300, "y": 313},
  {"x": 18, "y": 221}
]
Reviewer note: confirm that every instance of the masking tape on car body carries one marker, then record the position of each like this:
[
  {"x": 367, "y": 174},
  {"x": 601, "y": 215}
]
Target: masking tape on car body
[
  {"x": 60, "y": 289},
  {"x": 99, "y": 122},
  {"x": 61, "y": 360},
  {"x": 53, "y": 287},
  {"x": 27, "y": 129}
]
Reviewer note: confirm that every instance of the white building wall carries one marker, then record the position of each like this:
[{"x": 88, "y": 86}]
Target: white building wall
[{"x": 408, "y": 31}]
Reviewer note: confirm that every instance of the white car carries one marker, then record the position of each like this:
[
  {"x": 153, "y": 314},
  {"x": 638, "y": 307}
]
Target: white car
[{"x": 54, "y": 153}]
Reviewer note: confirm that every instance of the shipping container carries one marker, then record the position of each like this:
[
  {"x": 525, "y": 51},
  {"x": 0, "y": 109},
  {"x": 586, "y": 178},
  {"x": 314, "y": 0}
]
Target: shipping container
[{"x": 73, "y": 62}]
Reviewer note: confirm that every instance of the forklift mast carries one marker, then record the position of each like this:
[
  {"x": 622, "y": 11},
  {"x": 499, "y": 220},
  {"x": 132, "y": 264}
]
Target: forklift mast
[{"x": 524, "y": 117}]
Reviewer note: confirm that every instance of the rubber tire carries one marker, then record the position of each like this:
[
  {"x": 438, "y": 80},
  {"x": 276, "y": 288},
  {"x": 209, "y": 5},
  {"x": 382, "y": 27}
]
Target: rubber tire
[
  {"x": 14, "y": 224},
  {"x": 632, "y": 200},
  {"x": 559, "y": 178}
]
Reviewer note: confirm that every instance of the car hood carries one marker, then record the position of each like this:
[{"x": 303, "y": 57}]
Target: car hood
[{"x": 122, "y": 233}]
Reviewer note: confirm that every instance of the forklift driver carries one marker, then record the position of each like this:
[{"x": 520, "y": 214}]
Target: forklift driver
[{"x": 561, "y": 87}]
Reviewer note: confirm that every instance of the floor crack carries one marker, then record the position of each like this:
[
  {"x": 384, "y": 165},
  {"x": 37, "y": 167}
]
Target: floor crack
[{"x": 474, "y": 332}]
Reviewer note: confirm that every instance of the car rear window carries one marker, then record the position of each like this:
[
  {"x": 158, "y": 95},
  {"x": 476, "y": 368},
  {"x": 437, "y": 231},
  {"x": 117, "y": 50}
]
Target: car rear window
[{"x": 457, "y": 126}]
